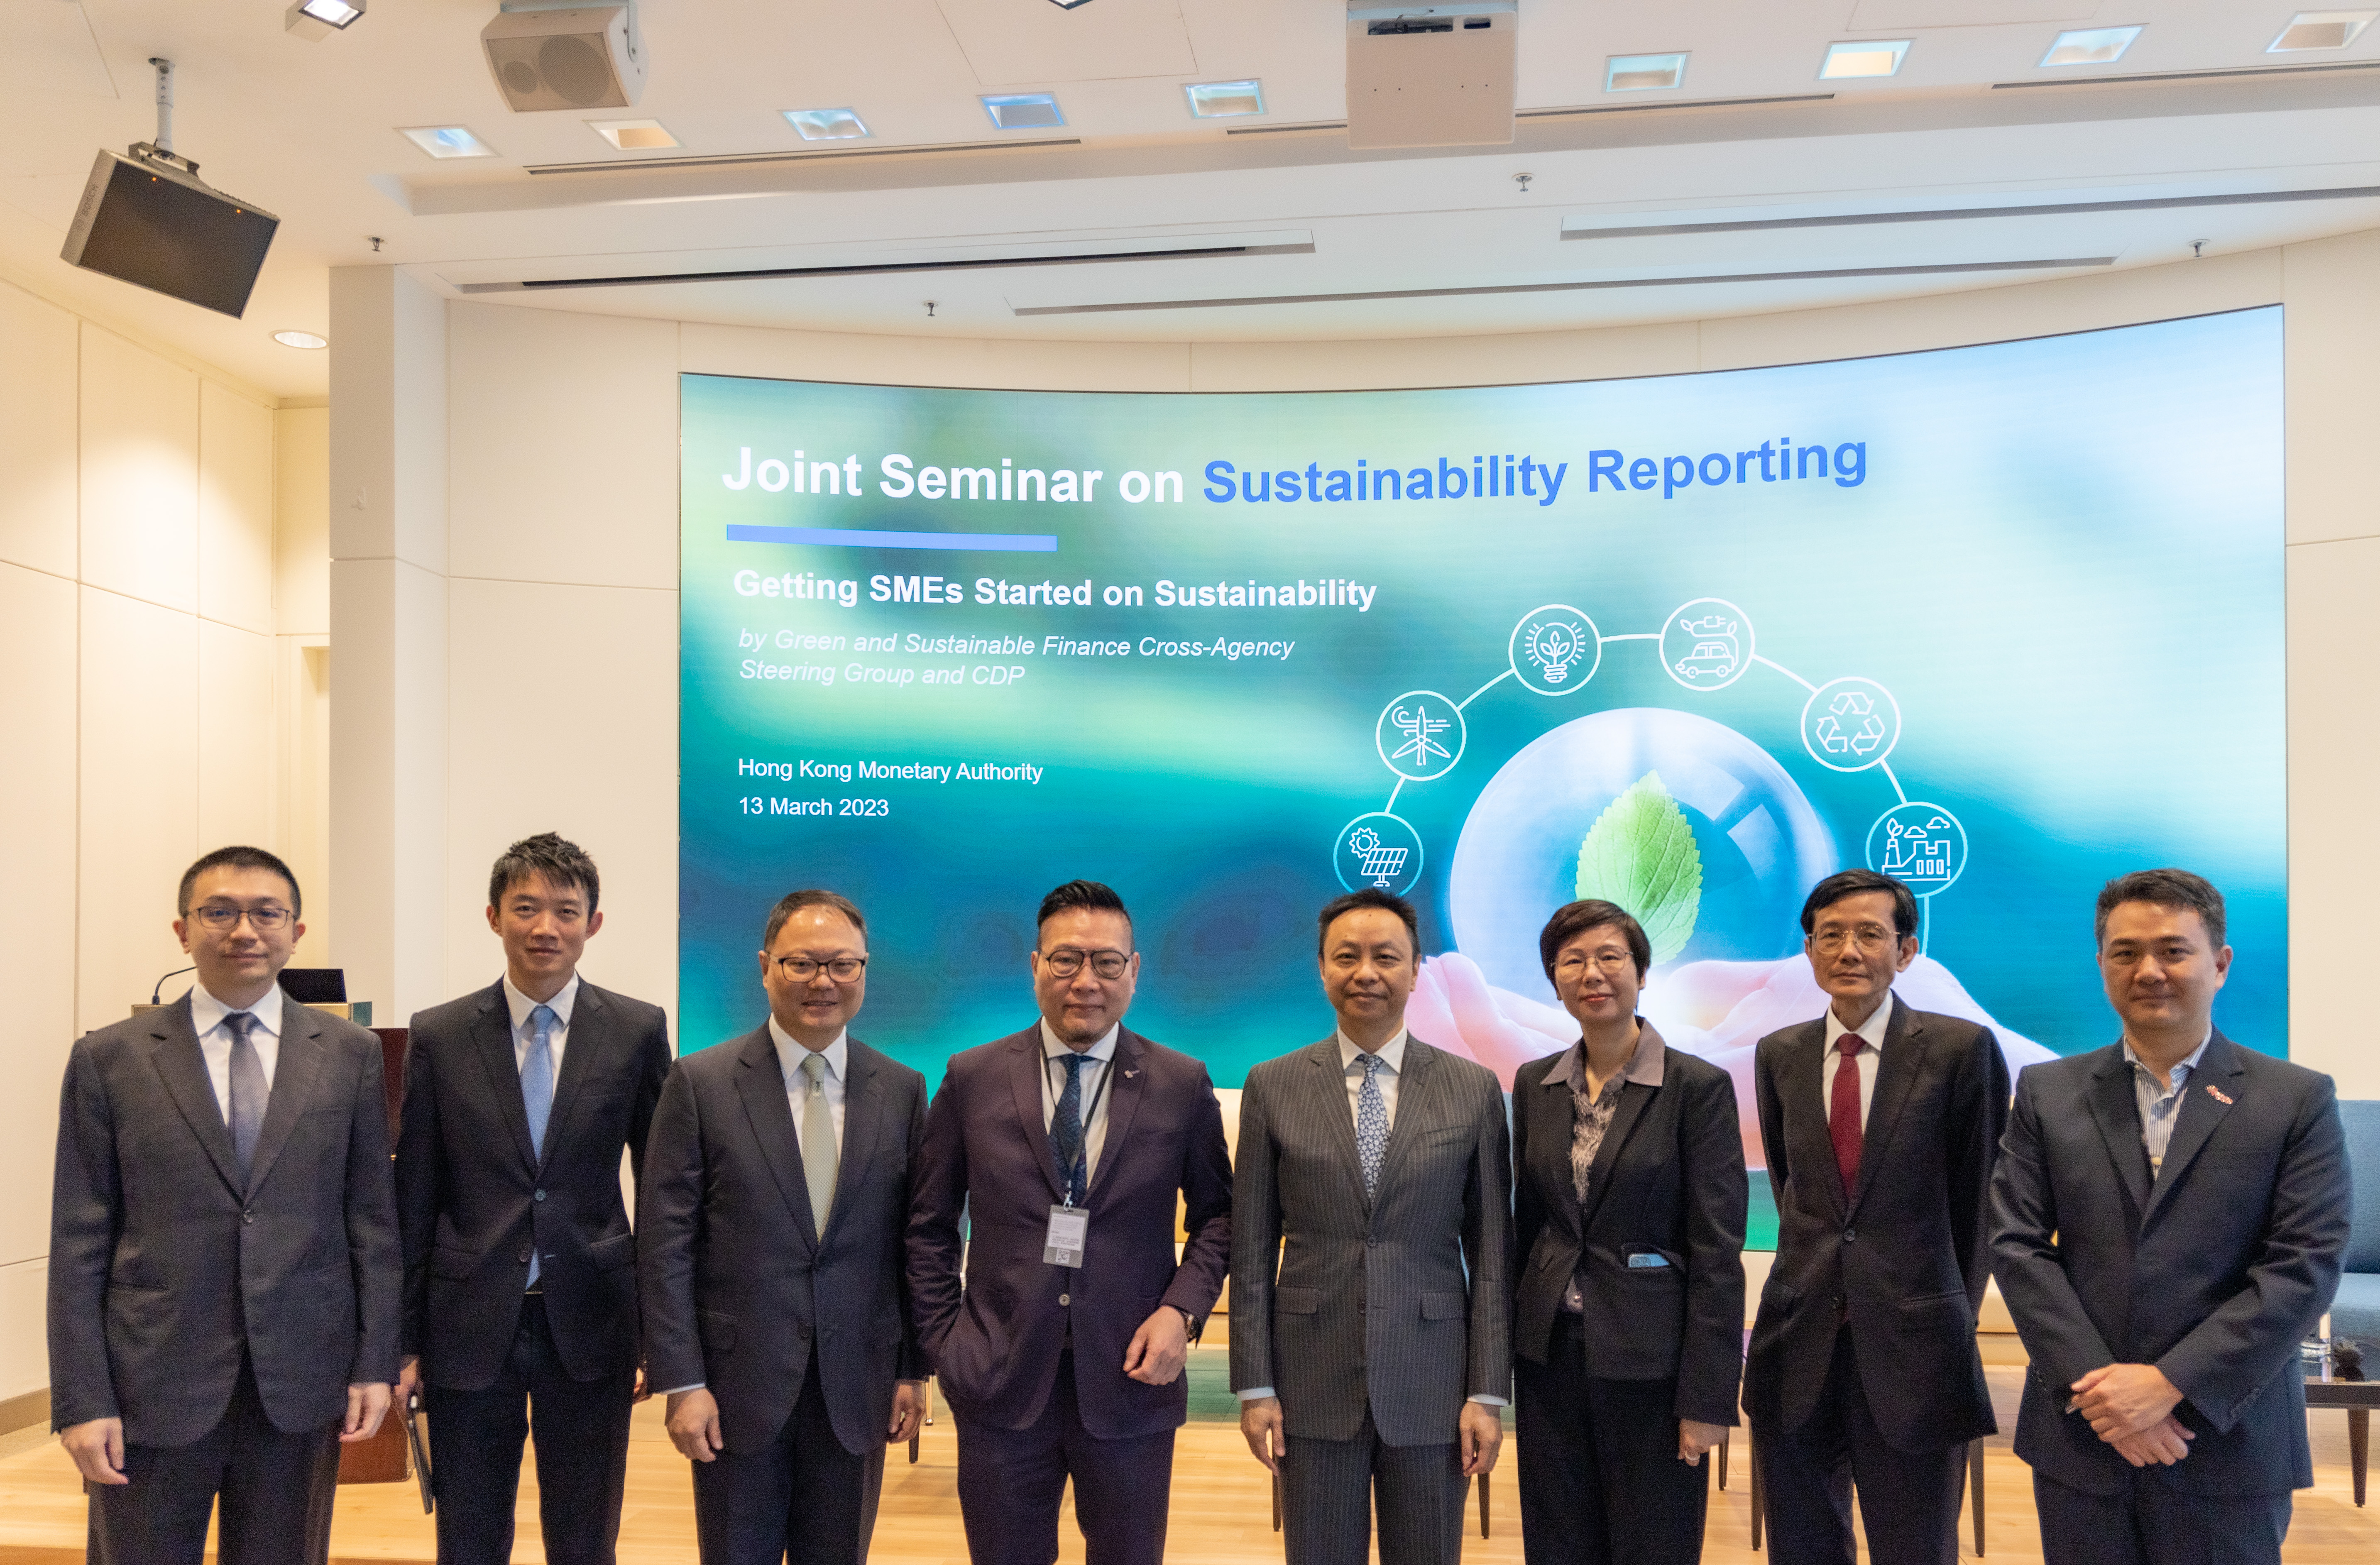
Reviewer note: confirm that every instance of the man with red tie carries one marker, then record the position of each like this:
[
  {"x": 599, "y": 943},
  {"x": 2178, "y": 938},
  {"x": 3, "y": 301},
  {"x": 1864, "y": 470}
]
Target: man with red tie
[{"x": 1881, "y": 1125}]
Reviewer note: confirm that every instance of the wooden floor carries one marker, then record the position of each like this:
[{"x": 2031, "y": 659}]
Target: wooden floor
[{"x": 1221, "y": 1508}]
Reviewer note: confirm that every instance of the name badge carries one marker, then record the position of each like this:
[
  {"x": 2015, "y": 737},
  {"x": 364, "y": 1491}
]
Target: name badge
[
  {"x": 1646, "y": 1258},
  {"x": 1070, "y": 1231}
]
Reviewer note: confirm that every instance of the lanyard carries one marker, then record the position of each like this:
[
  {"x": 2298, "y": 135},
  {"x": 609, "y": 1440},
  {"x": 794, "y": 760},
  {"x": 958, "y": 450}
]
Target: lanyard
[{"x": 1081, "y": 1164}]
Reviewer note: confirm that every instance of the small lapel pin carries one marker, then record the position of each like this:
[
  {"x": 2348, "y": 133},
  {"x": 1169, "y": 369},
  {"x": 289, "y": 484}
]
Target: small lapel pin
[
  {"x": 1129, "y": 1075},
  {"x": 2217, "y": 1094}
]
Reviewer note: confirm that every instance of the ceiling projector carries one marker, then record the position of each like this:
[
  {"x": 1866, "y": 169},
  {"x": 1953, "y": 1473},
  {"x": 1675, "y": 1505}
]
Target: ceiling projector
[{"x": 565, "y": 56}]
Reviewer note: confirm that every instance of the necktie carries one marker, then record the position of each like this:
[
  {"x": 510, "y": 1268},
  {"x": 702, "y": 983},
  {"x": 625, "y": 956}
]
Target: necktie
[
  {"x": 818, "y": 1138},
  {"x": 1371, "y": 1125},
  {"x": 1066, "y": 1132},
  {"x": 1843, "y": 1111},
  {"x": 537, "y": 1093},
  {"x": 245, "y": 1116}
]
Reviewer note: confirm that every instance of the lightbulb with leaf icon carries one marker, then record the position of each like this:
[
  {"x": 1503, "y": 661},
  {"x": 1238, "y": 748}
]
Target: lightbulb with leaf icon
[{"x": 1554, "y": 647}]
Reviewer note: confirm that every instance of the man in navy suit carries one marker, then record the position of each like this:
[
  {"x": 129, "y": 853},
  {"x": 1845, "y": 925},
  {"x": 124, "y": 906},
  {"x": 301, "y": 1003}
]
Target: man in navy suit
[
  {"x": 520, "y": 1280},
  {"x": 2169, "y": 1215},
  {"x": 1060, "y": 1354}
]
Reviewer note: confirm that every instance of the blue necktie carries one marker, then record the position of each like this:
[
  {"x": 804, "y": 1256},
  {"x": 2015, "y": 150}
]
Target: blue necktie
[
  {"x": 1066, "y": 1132},
  {"x": 1371, "y": 1125},
  {"x": 537, "y": 1091},
  {"x": 244, "y": 1116}
]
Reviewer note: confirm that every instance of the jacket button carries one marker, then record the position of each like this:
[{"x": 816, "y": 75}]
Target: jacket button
[
  {"x": 1371, "y": 1240},
  {"x": 248, "y": 1217},
  {"x": 1065, "y": 1298},
  {"x": 539, "y": 1195},
  {"x": 1850, "y": 1236},
  {"x": 527, "y": 1253}
]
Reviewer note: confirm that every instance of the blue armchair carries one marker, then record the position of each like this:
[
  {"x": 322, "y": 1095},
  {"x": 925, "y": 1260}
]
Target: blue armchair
[{"x": 2357, "y": 1312}]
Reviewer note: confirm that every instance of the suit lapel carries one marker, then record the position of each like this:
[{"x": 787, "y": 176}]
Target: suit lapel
[
  {"x": 174, "y": 1046},
  {"x": 1803, "y": 1088},
  {"x": 863, "y": 1111},
  {"x": 1024, "y": 1068},
  {"x": 589, "y": 1031},
  {"x": 1417, "y": 1080},
  {"x": 298, "y": 1064},
  {"x": 2119, "y": 1118},
  {"x": 761, "y": 1082},
  {"x": 491, "y": 1030},
  {"x": 1127, "y": 1078},
  {"x": 1330, "y": 1101},
  {"x": 1557, "y": 1113},
  {"x": 2201, "y": 1112},
  {"x": 1898, "y": 1066},
  {"x": 1635, "y": 1098}
]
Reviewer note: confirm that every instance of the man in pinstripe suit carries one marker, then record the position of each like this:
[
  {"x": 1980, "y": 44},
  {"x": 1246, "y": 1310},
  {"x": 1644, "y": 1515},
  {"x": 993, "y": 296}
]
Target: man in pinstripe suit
[{"x": 1371, "y": 1353}]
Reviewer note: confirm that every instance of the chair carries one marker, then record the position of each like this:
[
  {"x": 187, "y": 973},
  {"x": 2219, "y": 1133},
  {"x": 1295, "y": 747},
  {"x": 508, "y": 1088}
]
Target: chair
[{"x": 2356, "y": 1312}]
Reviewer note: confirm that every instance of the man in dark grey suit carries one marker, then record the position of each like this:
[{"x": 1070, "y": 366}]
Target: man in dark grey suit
[
  {"x": 520, "y": 1282},
  {"x": 1372, "y": 1354},
  {"x": 223, "y": 1265},
  {"x": 769, "y": 1227},
  {"x": 2168, "y": 1216},
  {"x": 1880, "y": 1123}
]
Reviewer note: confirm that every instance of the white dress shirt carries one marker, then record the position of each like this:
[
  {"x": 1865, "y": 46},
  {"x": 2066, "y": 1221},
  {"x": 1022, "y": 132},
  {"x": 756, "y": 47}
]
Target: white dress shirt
[
  {"x": 790, "y": 1051},
  {"x": 520, "y": 1005},
  {"x": 1097, "y": 1089},
  {"x": 207, "y": 1015},
  {"x": 2161, "y": 1106},
  {"x": 1870, "y": 1034},
  {"x": 1392, "y": 1065}
]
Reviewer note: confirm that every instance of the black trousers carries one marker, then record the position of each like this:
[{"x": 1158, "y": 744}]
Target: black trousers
[
  {"x": 276, "y": 1489},
  {"x": 1331, "y": 1488},
  {"x": 1011, "y": 1481},
  {"x": 2152, "y": 1523},
  {"x": 1600, "y": 1478},
  {"x": 580, "y": 1428},
  {"x": 801, "y": 1498},
  {"x": 1909, "y": 1501}
]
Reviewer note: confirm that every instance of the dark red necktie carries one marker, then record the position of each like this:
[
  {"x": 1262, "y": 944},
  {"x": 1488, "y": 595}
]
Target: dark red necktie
[{"x": 1843, "y": 1111}]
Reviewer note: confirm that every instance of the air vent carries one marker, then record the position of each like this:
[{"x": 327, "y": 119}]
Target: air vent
[
  {"x": 873, "y": 269},
  {"x": 1959, "y": 215},
  {"x": 2186, "y": 76},
  {"x": 742, "y": 160}
]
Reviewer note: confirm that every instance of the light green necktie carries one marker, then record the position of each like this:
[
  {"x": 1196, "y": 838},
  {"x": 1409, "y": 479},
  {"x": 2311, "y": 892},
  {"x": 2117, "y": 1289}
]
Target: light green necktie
[{"x": 818, "y": 1138}]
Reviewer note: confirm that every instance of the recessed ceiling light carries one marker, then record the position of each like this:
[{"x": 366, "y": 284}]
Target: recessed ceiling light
[
  {"x": 1878, "y": 58},
  {"x": 1221, "y": 100},
  {"x": 1639, "y": 73},
  {"x": 2092, "y": 46},
  {"x": 300, "y": 339},
  {"x": 446, "y": 141},
  {"x": 829, "y": 124},
  {"x": 633, "y": 135},
  {"x": 314, "y": 20},
  {"x": 1024, "y": 111},
  {"x": 2320, "y": 30}
]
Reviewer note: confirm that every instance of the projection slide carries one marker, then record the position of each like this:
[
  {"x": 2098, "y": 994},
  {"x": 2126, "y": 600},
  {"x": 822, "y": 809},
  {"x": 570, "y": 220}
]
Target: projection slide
[{"x": 2004, "y": 621}]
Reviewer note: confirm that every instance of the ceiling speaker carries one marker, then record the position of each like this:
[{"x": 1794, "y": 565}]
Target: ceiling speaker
[
  {"x": 1430, "y": 75},
  {"x": 149, "y": 220},
  {"x": 571, "y": 57}
]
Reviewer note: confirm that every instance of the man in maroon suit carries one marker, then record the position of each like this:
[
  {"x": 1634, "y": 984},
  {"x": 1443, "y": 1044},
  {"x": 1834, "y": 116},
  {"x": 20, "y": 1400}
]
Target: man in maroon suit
[{"x": 1060, "y": 1352}]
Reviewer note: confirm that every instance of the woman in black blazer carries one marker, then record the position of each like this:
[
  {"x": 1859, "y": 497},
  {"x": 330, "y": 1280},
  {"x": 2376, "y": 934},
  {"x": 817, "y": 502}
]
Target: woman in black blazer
[{"x": 1629, "y": 1341}]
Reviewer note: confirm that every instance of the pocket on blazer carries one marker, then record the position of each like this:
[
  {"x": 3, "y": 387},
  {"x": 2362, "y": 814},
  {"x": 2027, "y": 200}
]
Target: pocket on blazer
[
  {"x": 1444, "y": 1307},
  {"x": 1927, "y": 1309},
  {"x": 611, "y": 1255},
  {"x": 1296, "y": 1301},
  {"x": 1441, "y": 1136},
  {"x": 447, "y": 1261},
  {"x": 717, "y": 1330}
]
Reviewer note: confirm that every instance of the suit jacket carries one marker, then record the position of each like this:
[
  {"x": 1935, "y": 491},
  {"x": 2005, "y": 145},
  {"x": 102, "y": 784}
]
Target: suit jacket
[
  {"x": 1905, "y": 1254},
  {"x": 1668, "y": 1181},
  {"x": 1402, "y": 1301},
  {"x": 474, "y": 1197},
  {"x": 2214, "y": 1270},
  {"x": 164, "y": 1267},
  {"x": 995, "y": 1338},
  {"x": 738, "y": 1284}
]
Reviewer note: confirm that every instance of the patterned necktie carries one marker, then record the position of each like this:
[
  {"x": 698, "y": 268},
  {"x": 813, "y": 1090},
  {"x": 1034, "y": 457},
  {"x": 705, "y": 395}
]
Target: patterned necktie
[
  {"x": 536, "y": 1094},
  {"x": 245, "y": 1116},
  {"x": 1066, "y": 1132},
  {"x": 1843, "y": 1111},
  {"x": 818, "y": 1138},
  {"x": 1371, "y": 1125}
]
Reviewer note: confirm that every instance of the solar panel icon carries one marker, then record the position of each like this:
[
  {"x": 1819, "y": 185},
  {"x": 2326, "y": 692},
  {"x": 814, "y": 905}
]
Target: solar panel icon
[{"x": 1378, "y": 851}]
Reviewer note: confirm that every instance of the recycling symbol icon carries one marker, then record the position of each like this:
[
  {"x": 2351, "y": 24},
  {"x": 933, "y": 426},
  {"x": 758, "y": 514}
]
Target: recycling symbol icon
[{"x": 1850, "y": 725}]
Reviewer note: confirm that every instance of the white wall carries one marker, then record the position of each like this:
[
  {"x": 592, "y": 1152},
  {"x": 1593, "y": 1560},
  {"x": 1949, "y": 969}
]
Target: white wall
[
  {"x": 563, "y": 470},
  {"x": 138, "y": 637}
]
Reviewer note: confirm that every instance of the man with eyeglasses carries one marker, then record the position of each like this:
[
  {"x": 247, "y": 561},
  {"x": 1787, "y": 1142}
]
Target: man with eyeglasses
[
  {"x": 519, "y": 1266},
  {"x": 1061, "y": 1349},
  {"x": 1880, "y": 1123},
  {"x": 769, "y": 1229},
  {"x": 222, "y": 1271}
]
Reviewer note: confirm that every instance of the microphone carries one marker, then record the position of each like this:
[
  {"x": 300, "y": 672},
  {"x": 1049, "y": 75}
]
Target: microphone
[{"x": 159, "y": 987}]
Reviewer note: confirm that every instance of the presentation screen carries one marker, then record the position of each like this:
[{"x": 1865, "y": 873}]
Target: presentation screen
[{"x": 2003, "y": 621}]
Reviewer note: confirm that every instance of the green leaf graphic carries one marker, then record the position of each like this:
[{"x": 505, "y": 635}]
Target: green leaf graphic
[{"x": 1640, "y": 853}]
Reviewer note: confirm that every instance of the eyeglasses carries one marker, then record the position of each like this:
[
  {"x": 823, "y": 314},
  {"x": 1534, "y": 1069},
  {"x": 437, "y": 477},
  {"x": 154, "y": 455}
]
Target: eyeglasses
[
  {"x": 801, "y": 970},
  {"x": 1065, "y": 962},
  {"x": 1867, "y": 936},
  {"x": 1576, "y": 963},
  {"x": 264, "y": 920}
]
